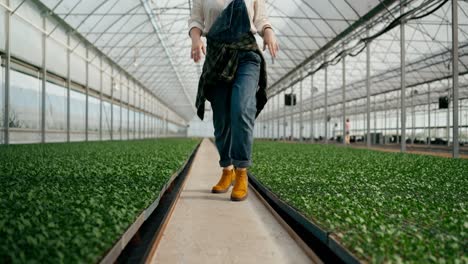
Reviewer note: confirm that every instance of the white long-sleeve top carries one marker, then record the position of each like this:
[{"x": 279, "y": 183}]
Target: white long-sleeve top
[{"x": 205, "y": 12}]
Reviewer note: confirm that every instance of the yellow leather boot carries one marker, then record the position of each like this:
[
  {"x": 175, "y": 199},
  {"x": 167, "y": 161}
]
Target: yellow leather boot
[
  {"x": 239, "y": 192},
  {"x": 227, "y": 178}
]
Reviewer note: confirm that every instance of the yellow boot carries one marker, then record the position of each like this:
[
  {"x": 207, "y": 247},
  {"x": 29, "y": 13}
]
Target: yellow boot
[
  {"x": 239, "y": 192},
  {"x": 227, "y": 178}
]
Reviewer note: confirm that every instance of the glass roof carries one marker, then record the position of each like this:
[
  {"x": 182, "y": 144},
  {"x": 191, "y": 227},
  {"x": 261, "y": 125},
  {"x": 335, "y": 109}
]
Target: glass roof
[
  {"x": 149, "y": 38},
  {"x": 428, "y": 65}
]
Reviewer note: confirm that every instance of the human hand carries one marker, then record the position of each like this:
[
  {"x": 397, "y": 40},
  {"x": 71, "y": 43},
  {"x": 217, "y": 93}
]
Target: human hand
[
  {"x": 270, "y": 42},
  {"x": 198, "y": 47}
]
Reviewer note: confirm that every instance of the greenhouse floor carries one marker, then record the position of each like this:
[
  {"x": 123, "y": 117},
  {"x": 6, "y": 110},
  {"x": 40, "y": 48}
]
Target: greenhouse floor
[{"x": 209, "y": 228}]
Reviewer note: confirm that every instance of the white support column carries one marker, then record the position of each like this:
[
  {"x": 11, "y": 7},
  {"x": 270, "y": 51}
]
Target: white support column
[
  {"x": 403, "y": 81},
  {"x": 312, "y": 90},
  {"x": 112, "y": 104},
  {"x": 385, "y": 120},
  {"x": 68, "y": 87},
  {"x": 101, "y": 83},
  {"x": 6, "y": 123},
  {"x": 121, "y": 87},
  {"x": 128, "y": 109},
  {"x": 301, "y": 109},
  {"x": 284, "y": 118},
  {"x": 398, "y": 124},
  {"x": 375, "y": 120},
  {"x": 429, "y": 114},
  {"x": 44, "y": 79},
  {"x": 140, "y": 127},
  {"x": 326, "y": 105},
  {"x": 368, "y": 94},
  {"x": 87, "y": 94},
  {"x": 292, "y": 112},
  {"x": 343, "y": 99},
  {"x": 455, "y": 72},
  {"x": 135, "y": 87},
  {"x": 278, "y": 119},
  {"x": 413, "y": 117},
  {"x": 272, "y": 121},
  {"x": 143, "y": 106}
]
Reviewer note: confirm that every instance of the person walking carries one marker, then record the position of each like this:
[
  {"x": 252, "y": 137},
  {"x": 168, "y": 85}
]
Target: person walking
[{"x": 233, "y": 79}]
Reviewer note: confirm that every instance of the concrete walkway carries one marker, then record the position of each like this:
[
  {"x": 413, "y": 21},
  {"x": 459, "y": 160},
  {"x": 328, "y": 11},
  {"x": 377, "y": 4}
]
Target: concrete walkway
[{"x": 209, "y": 228}]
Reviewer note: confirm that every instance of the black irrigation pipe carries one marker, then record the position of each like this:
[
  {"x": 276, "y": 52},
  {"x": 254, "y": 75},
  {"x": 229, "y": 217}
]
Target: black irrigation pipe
[
  {"x": 320, "y": 241},
  {"x": 136, "y": 243}
]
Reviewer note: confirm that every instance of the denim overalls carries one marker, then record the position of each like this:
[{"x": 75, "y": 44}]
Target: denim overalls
[{"x": 234, "y": 104}]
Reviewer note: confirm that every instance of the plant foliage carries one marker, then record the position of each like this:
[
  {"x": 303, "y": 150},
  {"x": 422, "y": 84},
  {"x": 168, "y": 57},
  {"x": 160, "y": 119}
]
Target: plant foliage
[
  {"x": 70, "y": 203},
  {"x": 384, "y": 207}
]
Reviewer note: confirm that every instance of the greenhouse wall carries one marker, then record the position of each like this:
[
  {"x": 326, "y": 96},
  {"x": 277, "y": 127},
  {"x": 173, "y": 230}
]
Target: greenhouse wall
[{"x": 63, "y": 89}]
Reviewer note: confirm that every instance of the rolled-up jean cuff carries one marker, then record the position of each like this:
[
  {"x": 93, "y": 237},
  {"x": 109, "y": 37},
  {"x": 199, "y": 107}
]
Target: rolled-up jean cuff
[
  {"x": 241, "y": 163},
  {"x": 225, "y": 163}
]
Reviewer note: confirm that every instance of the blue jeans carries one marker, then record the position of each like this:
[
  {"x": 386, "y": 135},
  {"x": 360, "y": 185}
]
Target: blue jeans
[{"x": 234, "y": 108}]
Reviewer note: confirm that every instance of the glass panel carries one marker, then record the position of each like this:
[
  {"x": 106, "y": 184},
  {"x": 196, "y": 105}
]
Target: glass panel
[
  {"x": 131, "y": 94},
  {"x": 132, "y": 124},
  {"x": 2, "y": 28},
  {"x": 116, "y": 122},
  {"x": 77, "y": 69},
  {"x": 106, "y": 79},
  {"x": 56, "y": 54},
  {"x": 25, "y": 108},
  {"x": 138, "y": 125},
  {"x": 106, "y": 120},
  {"x": 93, "y": 118},
  {"x": 56, "y": 113},
  {"x": 77, "y": 116},
  {"x": 124, "y": 123},
  {"x": 94, "y": 74},
  {"x": 23, "y": 34}
]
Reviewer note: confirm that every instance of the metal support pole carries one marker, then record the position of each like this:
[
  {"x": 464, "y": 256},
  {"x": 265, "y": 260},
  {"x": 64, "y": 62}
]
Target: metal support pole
[
  {"x": 292, "y": 113},
  {"x": 385, "y": 120},
  {"x": 312, "y": 89},
  {"x": 44, "y": 80},
  {"x": 284, "y": 119},
  {"x": 398, "y": 124},
  {"x": 456, "y": 146},
  {"x": 448, "y": 114},
  {"x": 268, "y": 121},
  {"x": 68, "y": 87},
  {"x": 135, "y": 87},
  {"x": 87, "y": 94},
  {"x": 278, "y": 119},
  {"x": 6, "y": 123},
  {"x": 139, "y": 116},
  {"x": 375, "y": 120},
  {"x": 403, "y": 80},
  {"x": 429, "y": 114},
  {"x": 326, "y": 104},
  {"x": 101, "y": 82},
  {"x": 143, "y": 106},
  {"x": 112, "y": 105},
  {"x": 413, "y": 118},
  {"x": 120, "y": 104},
  {"x": 301, "y": 109},
  {"x": 368, "y": 123},
  {"x": 343, "y": 99},
  {"x": 128, "y": 110},
  {"x": 272, "y": 121}
]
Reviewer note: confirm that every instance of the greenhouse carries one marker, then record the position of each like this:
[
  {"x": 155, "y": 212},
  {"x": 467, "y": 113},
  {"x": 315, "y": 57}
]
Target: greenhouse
[{"x": 339, "y": 129}]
